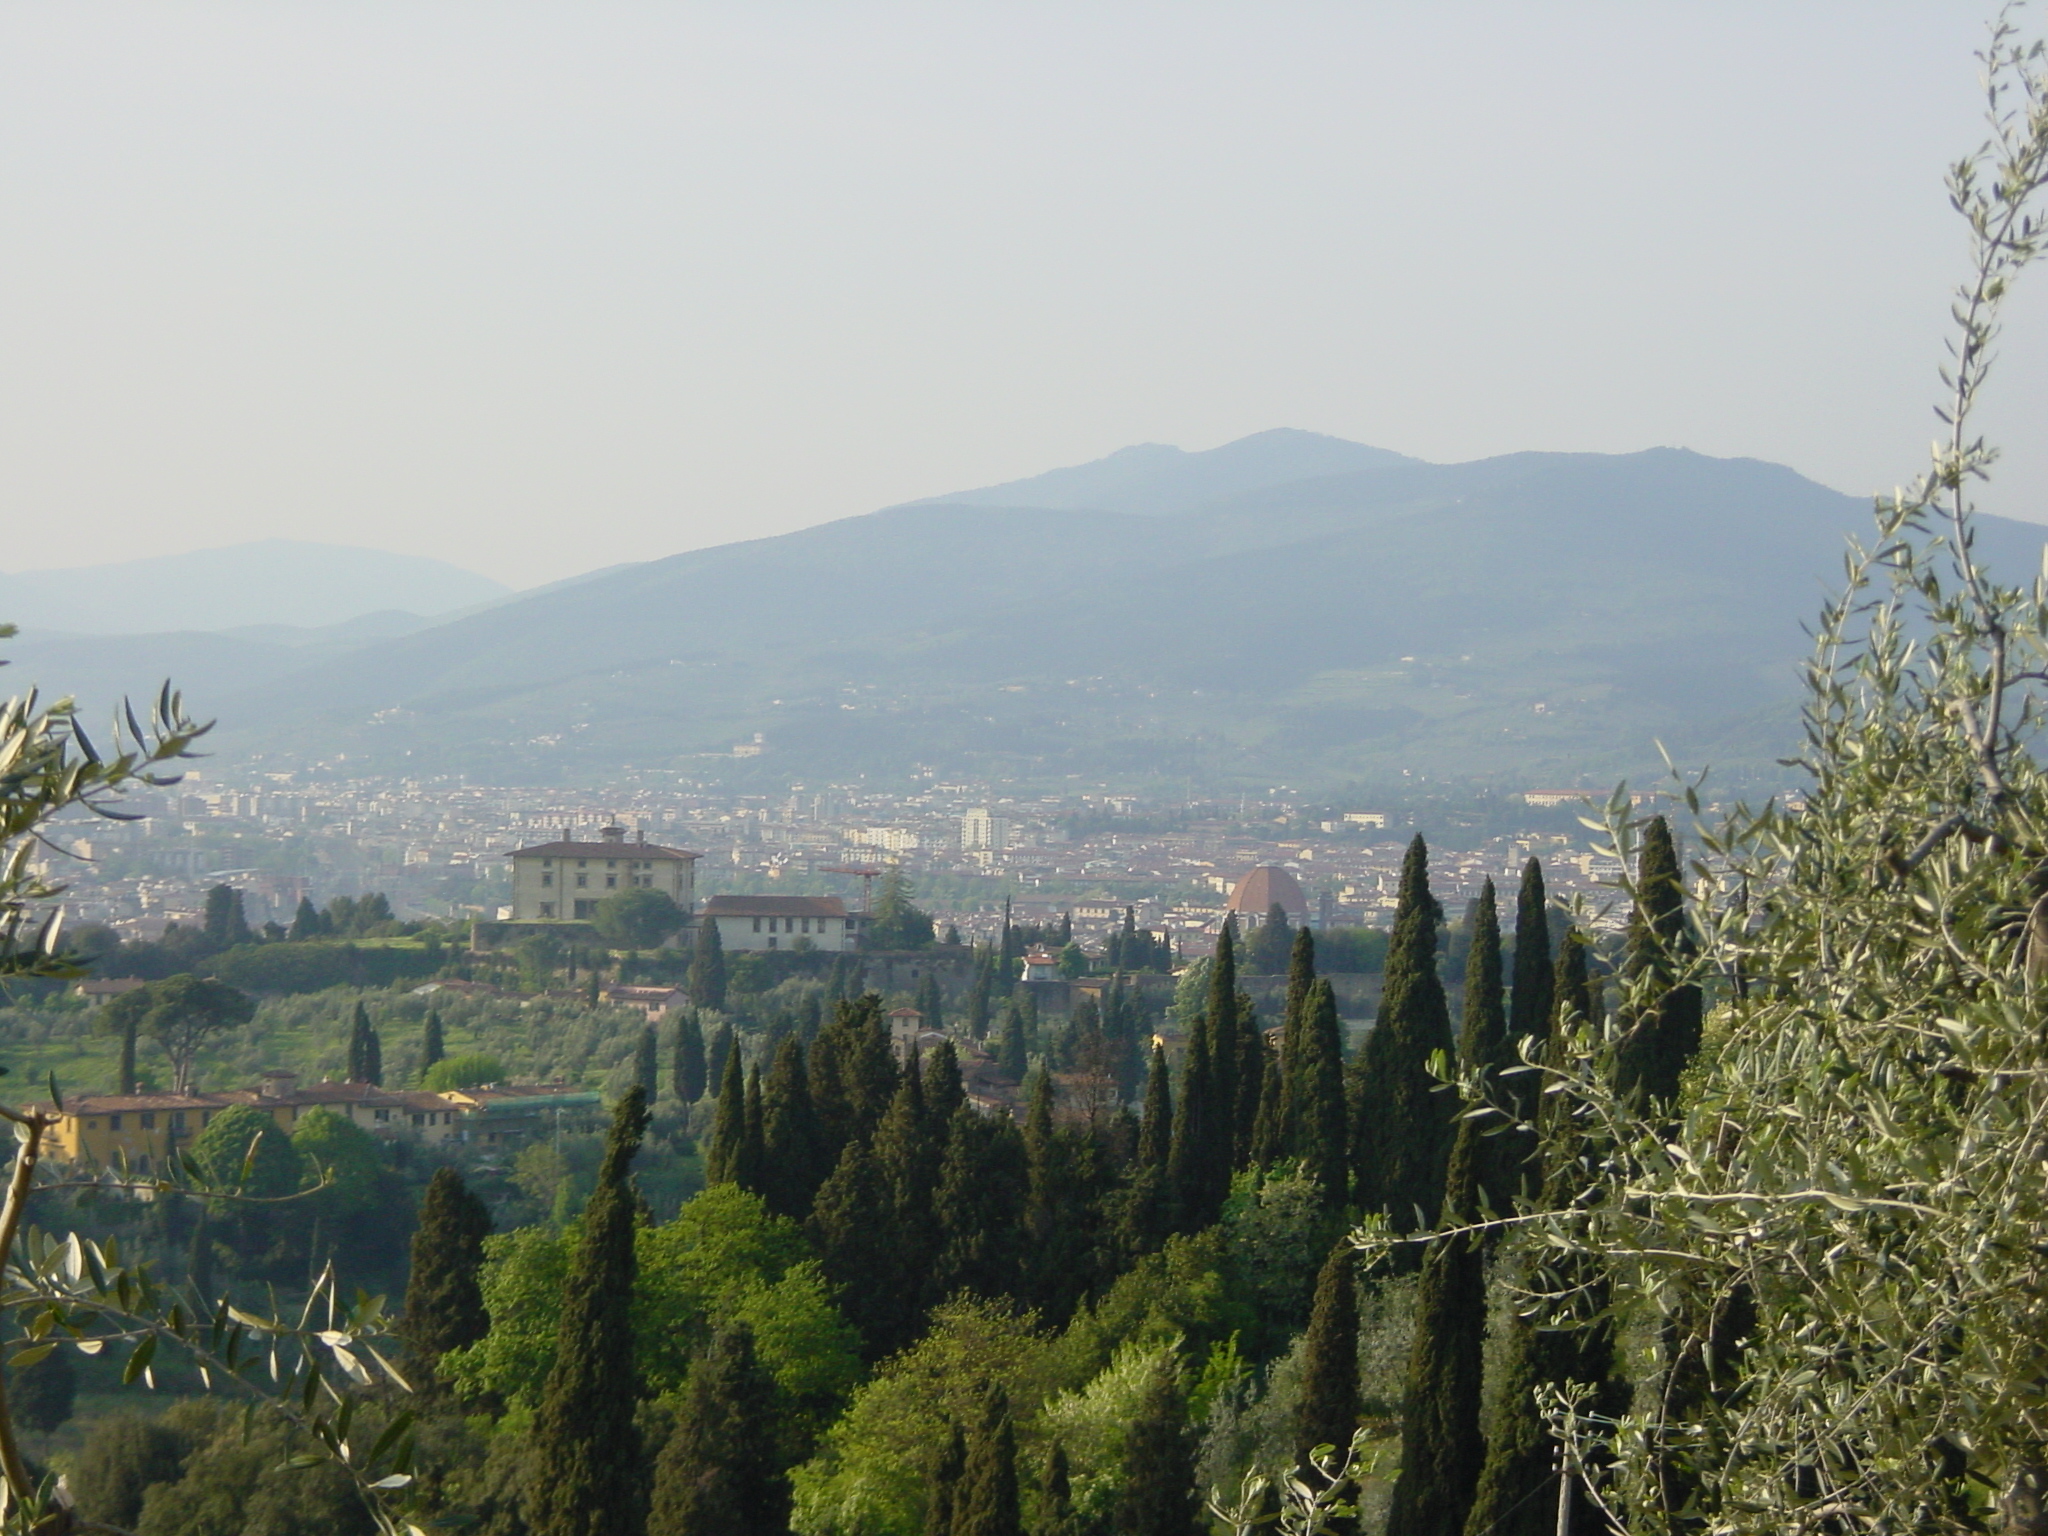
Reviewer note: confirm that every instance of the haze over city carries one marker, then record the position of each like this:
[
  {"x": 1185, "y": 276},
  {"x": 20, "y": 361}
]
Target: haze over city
[{"x": 538, "y": 290}]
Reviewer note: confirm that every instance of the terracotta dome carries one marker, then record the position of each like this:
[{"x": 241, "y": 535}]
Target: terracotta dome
[{"x": 1257, "y": 891}]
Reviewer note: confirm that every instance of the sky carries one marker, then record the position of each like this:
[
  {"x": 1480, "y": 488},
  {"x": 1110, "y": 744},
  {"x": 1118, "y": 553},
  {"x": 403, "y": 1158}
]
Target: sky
[{"x": 540, "y": 288}]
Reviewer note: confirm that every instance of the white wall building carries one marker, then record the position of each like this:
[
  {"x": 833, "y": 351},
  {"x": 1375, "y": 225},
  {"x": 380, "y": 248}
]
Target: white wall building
[
  {"x": 981, "y": 831},
  {"x": 782, "y": 922}
]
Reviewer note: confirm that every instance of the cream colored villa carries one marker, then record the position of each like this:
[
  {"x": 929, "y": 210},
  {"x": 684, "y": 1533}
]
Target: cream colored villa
[{"x": 564, "y": 881}]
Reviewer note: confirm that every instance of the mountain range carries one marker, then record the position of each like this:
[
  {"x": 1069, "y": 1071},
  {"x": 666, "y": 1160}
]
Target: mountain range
[{"x": 1287, "y": 609}]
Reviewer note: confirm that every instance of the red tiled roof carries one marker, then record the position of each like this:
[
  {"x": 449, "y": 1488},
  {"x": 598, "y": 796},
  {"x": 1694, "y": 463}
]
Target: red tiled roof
[
  {"x": 1269, "y": 883},
  {"x": 774, "y": 906},
  {"x": 569, "y": 850}
]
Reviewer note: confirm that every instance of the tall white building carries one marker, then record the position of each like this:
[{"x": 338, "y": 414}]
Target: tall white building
[{"x": 983, "y": 831}]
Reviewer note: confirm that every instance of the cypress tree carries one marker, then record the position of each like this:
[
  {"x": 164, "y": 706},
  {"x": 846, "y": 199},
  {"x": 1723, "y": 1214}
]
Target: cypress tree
[
  {"x": 1267, "y": 1146},
  {"x": 1301, "y": 978},
  {"x": 906, "y": 1152},
  {"x": 944, "y": 1484},
  {"x": 433, "y": 1044},
  {"x": 1060, "y": 1213},
  {"x": 1330, "y": 1401},
  {"x": 751, "y": 1162},
  {"x": 647, "y": 1064},
  {"x": 444, "y": 1304},
  {"x": 717, "y": 1474},
  {"x": 1010, "y": 1052},
  {"x": 930, "y": 1001},
  {"x": 793, "y": 1163},
  {"x": 1192, "y": 1163},
  {"x": 127, "y": 1067},
  {"x": 1517, "y": 1492},
  {"x": 305, "y": 922},
  {"x": 979, "y": 1205},
  {"x": 729, "y": 1130},
  {"x": 1158, "y": 1497},
  {"x": 359, "y": 1045},
  {"x": 944, "y": 1090},
  {"x": 865, "y": 1063},
  {"x": 583, "y": 1466},
  {"x": 199, "y": 1268},
  {"x": 1529, "y": 1010},
  {"x": 688, "y": 1078},
  {"x": 1441, "y": 1450},
  {"x": 1147, "y": 1214},
  {"x": 850, "y": 1226},
  {"x": 722, "y": 1040},
  {"x": 977, "y": 1005},
  {"x": 1056, "y": 1513},
  {"x": 706, "y": 980},
  {"x": 1320, "y": 1110},
  {"x": 1483, "y": 1046},
  {"x": 1155, "y": 1130},
  {"x": 1661, "y": 1030},
  {"x": 987, "y": 1502},
  {"x": 373, "y": 1058},
  {"x": 1403, "y": 1131}
]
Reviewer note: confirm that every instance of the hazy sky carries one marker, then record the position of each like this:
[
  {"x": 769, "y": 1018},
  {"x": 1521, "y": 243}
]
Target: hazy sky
[{"x": 538, "y": 288}]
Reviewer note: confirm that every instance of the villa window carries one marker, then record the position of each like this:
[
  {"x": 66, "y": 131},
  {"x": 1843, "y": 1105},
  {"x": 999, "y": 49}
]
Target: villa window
[
  {"x": 547, "y": 879},
  {"x": 113, "y": 1122},
  {"x": 149, "y": 1119},
  {"x": 582, "y": 881},
  {"x": 547, "y": 909},
  {"x": 757, "y": 925},
  {"x": 611, "y": 882}
]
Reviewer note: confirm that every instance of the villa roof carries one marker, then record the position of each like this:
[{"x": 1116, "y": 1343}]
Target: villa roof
[
  {"x": 774, "y": 906},
  {"x": 566, "y": 849}
]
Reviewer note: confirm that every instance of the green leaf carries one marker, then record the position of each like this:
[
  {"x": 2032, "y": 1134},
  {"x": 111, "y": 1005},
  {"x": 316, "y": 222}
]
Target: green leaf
[{"x": 139, "y": 1361}]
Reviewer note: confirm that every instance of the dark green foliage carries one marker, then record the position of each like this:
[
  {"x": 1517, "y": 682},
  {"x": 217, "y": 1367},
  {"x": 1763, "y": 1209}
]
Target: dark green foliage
[
  {"x": 706, "y": 981},
  {"x": 1529, "y": 1004},
  {"x": 305, "y": 922},
  {"x": 1267, "y": 947},
  {"x": 1132, "y": 948},
  {"x": 906, "y": 1152},
  {"x": 722, "y": 1158},
  {"x": 180, "y": 1013},
  {"x": 717, "y": 1474},
  {"x": 1056, "y": 1513},
  {"x": 853, "y": 1072},
  {"x": 750, "y": 1166},
  {"x": 944, "y": 1091},
  {"x": 647, "y": 1063},
  {"x": 1267, "y": 1145},
  {"x": 930, "y": 1001},
  {"x": 1158, "y": 1497},
  {"x": 225, "y": 924},
  {"x": 42, "y": 1396},
  {"x": 945, "y": 1485},
  {"x": 897, "y": 922},
  {"x": 1197, "y": 1171},
  {"x": 1319, "y": 1117},
  {"x": 1012, "y": 1057},
  {"x": 1483, "y": 1046},
  {"x": 1155, "y": 1129},
  {"x": 1301, "y": 976},
  {"x": 1661, "y": 1029},
  {"x": 318, "y": 966},
  {"x": 444, "y": 1306},
  {"x": 433, "y": 1043},
  {"x": 986, "y": 1503},
  {"x": 122, "y": 1456},
  {"x": 978, "y": 997},
  {"x": 851, "y": 1227},
  {"x": 689, "y": 1077},
  {"x": 1441, "y": 1450},
  {"x": 365, "y": 1049},
  {"x": 638, "y": 918},
  {"x": 1226, "y": 1058},
  {"x": 1061, "y": 1212},
  {"x": 1402, "y": 1130},
  {"x": 983, "y": 1184},
  {"x": 1328, "y": 1411},
  {"x": 584, "y": 1475},
  {"x": 793, "y": 1157},
  {"x": 723, "y": 1042}
]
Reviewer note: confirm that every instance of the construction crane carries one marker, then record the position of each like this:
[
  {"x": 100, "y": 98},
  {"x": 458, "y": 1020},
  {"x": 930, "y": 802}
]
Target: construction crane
[{"x": 867, "y": 873}]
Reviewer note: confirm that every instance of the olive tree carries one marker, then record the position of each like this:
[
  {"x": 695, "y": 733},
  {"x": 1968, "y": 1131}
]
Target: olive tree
[
  {"x": 1829, "y": 1251},
  {"x": 61, "y": 1291}
]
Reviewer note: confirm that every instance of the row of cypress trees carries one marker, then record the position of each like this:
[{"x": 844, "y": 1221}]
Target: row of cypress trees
[{"x": 1461, "y": 1476}]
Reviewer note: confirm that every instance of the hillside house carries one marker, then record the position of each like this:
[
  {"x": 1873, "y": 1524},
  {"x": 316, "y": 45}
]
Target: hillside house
[
  {"x": 761, "y": 923},
  {"x": 564, "y": 881}
]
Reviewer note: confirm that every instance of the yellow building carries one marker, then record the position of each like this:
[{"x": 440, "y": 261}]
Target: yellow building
[
  {"x": 142, "y": 1129},
  {"x": 564, "y": 881}
]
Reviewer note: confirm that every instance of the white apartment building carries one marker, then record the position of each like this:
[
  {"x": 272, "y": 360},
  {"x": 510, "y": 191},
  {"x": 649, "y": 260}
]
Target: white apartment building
[
  {"x": 782, "y": 922},
  {"x": 981, "y": 831}
]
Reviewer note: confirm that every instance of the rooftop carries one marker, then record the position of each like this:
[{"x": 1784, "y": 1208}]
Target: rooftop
[{"x": 774, "y": 906}]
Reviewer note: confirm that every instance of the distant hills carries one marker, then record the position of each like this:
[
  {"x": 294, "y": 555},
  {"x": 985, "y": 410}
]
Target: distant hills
[
  {"x": 1289, "y": 609},
  {"x": 271, "y": 581}
]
